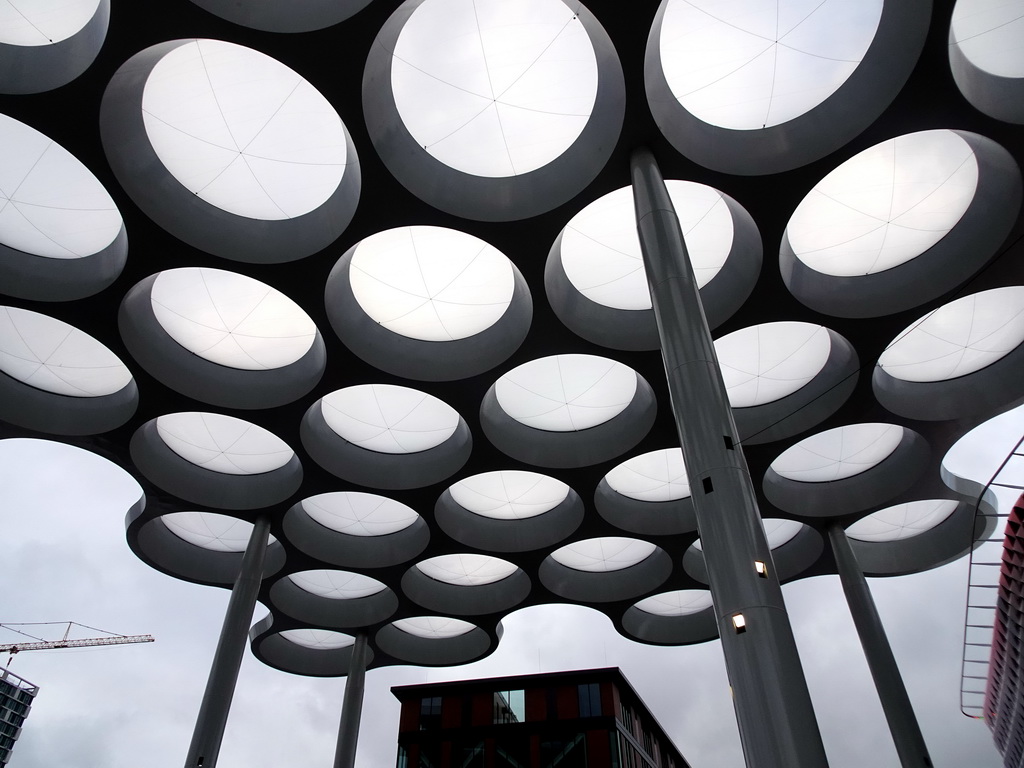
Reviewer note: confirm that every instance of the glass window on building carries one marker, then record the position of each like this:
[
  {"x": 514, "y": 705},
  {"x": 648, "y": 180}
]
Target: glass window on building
[
  {"x": 509, "y": 706},
  {"x": 468, "y": 755},
  {"x": 403, "y": 758},
  {"x": 590, "y": 699},
  {"x": 430, "y": 713},
  {"x": 512, "y": 752},
  {"x": 569, "y": 751}
]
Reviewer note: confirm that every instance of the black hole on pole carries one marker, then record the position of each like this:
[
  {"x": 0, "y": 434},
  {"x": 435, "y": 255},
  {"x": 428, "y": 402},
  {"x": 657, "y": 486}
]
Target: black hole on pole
[
  {"x": 728, "y": 442},
  {"x": 708, "y": 487}
]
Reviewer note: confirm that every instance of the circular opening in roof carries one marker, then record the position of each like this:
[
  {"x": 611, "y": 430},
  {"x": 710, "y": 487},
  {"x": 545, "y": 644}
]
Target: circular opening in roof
[
  {"x": 336, "y": 585},
  {"x": 223, "y": 443},
  {"x": 767, "y": 362},
  {"x": 989, "y": 34},
  {"x": 318, "y": 639},
  {"x": 759, "y": 63},
  {"x": 467, "y": 570},
  {"x": 600, "y": 249},
  {"x": 838, "y": 453},
  {"x": 886, "y": 205},
  {"x": 231, "y": 319},
  {"x": 433, "y": 627},
  {"x": 602, "y": 555},
  {"x": 655, "y": 476},
  {"x": 242, "y": 131},
  {"x": 492, "y": 88},
  {"x": 566, "y": 393},
  {"x": 50, "y": 204},
  {"x": 902, "y": 521},
  {"x": 958, "y": 338},
  {"x": 359, "y": 514},
  {"x": 682, "y": 602},
  {"x": 43, "y": 22},
  {"x": 389, "y": 419},
  {"x": 207, "y": 530},
  {"x": 509, "y": 494},
  {"x": 431, "y": 283},
  {"x": 53, "y": 356},
  {"x": 776, "y": 531}
]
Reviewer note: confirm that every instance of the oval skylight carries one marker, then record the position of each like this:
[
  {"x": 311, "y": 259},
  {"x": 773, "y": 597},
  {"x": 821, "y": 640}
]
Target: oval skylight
[
  {"x": 467, "y": 570},
  {"x": 223, "y": 443},
  {"x": 600, "y": 248},
  {"x": 434, "y": 627},
  {"x": 217, "y": 533},
  {"x": 509, "y": 494},
  {"x": 389, "y": 419},
  {"x": 231, "y": 319},
  {"x": 493, "y": 88},
  {"x": 359, "y": 514},
  {"x": 656, "y": 476},
  {"x": 51, "y": 355},
  {"x": 601, "y": 555},
  {"x": 776, "y": 531},
  {"x": 566, "y": 393},
  {"x": 50, "y": 204},
  {"x": 767, "y": 362},
  {"x": 886, "y": 205},
  {"x": 242, "y": 131},
  {"x": 336, "y": 585},
  {"x": 682, "y": 602},
  {"x": 838, "y": 453},
  {"x": 989, "y": 32},
  {"x": 958, "y": 338},
  {"x": 431, "y": 283},
  {"x": 318, "y": 639},
  {"x": 902, "y": 521},
  {"x": 43, "y": 22},
  {"x": 751, "y": 64}
]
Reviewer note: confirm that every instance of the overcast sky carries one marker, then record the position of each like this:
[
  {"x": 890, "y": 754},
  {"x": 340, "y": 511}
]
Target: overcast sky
[{"x": 65, "y": 557}]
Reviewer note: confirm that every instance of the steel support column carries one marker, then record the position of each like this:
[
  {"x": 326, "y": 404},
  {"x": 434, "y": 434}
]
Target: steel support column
[
  {"x": 234, "y": 633},
  {"x": 352, "y": 705},
  {"x": 777, "y": 725},
  {"x": 906, "y": 733}
]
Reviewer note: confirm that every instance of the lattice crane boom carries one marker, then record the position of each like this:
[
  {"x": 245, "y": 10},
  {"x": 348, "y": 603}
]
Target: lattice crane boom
[{"x": 39, "y": 644}]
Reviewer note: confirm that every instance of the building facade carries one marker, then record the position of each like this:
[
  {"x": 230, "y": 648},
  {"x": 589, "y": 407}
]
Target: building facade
[
  {"x": 581, "y": 719},
  {"x": 16, "y": 695}
]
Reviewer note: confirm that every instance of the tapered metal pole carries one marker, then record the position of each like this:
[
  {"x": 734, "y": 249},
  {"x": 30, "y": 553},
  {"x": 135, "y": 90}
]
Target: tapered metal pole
[
  {"x": 906, "y": 733},
  {"x": 352, "y": 706},
  {"x": 234, "y": 634},
  {"x": 777, "y": 725}
]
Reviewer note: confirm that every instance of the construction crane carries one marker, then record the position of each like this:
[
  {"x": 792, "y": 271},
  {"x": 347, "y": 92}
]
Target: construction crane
[{"x": 39, "y": 644}]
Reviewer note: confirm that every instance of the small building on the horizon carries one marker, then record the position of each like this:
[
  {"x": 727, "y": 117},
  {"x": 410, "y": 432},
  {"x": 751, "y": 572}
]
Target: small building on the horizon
[
  {"x": 580, "y": 719},
  {"x": 16, "y": 695}
]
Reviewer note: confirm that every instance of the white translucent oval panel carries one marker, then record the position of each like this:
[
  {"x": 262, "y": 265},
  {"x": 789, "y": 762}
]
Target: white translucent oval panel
[
  {"x": 231, "y": 319},
  {"x": 959, "y": 338},
  {"x": 318, "y": 639},
  {"x": 682, "y": 602},
  {"x": 43, "y": 22},
  {"x": 608, "y": 553},
  {"x": 467, "y": 570},
  {"x": 359, "y": 514},
  {"x": 242, "y": 131},
  {"x": 434, "y": 627},
  {"x": 223, "y": 443},
  {"x": 50, "y": 204},
  {"x": 655, "y": 476},
  {"x": 389, "y": 419},
  {"x": 886, "y": 205},
  {"x": 902, "y": 521},
  {"x": 336, "y": 585},
  {"x": 750, "y": 64},
  {"x": 600, "y": 248},
  {"x": 566, "y": 393},
  {"x": 509, "y": 494},
  {"x": 767, "y": 362},
  {"x": 991, "y": 35},
  {"x": 777, "y": 532},
  {"x": 51, "y": 355},
  {"x": 493, "y": 88},
  {"x": 838, "y": 453},
  {"x": 217, "y": 533},
  {"x": 431, "y": 283}
]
